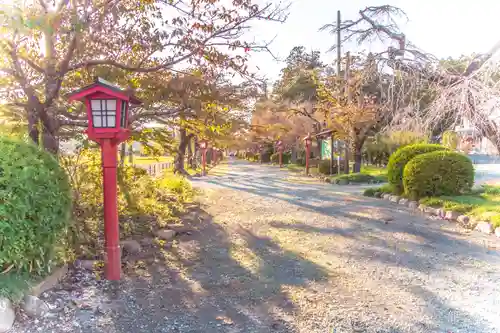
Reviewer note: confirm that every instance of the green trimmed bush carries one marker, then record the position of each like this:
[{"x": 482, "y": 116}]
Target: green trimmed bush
[
  {"x": 35, "y": 208},
  {"x": 401, "y": 157},
  {"x": 438, "y": 173},
  {"x": 369, "y": 192}
]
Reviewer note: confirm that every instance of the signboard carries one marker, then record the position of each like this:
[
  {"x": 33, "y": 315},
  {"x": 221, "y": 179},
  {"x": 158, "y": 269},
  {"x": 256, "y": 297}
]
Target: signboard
[{"x": 325, "y": 149}]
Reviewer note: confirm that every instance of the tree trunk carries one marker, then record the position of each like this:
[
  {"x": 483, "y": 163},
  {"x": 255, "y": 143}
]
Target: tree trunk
[
  {"x": 131, "y": 154},
  {"x": 181, "y": 153},
  {"x": 190, "y": 153},
  {"x": 33, "y": 132},
  {"x": 123, "y": 152},
  {"x": 356, "y": 151},
  {"x": 357, "y": 141},
  {"x": 295, "y": 151},
  {"x": 50, "y": 138},
  {"x": 346, "y": 158}
]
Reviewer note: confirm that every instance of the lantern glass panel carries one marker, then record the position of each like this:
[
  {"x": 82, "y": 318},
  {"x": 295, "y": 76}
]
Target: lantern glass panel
[
  {"x": 103, "y": 113},
  {"x": 123, "y": 116}
]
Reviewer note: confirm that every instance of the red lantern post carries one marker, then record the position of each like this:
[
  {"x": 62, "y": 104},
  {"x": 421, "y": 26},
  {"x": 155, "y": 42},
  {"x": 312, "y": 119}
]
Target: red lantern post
[
  {"x": 107, "y": 113},
  {"x": 308, "y": 141},
  {"x": 280, "y": 152},
  {"x": 204, "y": 147}
]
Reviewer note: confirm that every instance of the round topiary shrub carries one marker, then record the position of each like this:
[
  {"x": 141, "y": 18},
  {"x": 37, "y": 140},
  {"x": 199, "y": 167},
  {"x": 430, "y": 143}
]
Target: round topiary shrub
[
  {"x": 438, "y": 173},
  {"x": 35, "y": 207},
  {"x": 401, "y": 157}
]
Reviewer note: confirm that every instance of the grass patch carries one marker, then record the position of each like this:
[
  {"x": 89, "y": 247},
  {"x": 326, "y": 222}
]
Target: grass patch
[
  {"x": 359, "y": 178},
  {"x": 13, "y": 285},
  {"x": 482, "y": 204},
  {"x": 295, "y": 167},
  {"x": 368, "y": 174},
  {"x": 374, "y": 170},
  {"x": 370, "y": 192}
]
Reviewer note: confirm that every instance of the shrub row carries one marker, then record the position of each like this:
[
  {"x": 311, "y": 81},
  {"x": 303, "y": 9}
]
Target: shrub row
[
  {"x": 422, "y": 170},
  {"x": 286, "y": 158}
]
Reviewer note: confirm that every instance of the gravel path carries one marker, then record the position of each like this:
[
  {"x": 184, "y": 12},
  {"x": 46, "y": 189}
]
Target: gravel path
[{"x": 275, "y": 252}]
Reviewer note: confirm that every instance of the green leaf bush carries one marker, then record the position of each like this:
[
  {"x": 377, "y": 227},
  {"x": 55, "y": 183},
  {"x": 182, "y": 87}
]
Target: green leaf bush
[
  {"x": 35, "y": 208},
  {"x": 401, "y": 157},
  {"x": 145, "y": 203},
  {"x": 438, "y": 173}
]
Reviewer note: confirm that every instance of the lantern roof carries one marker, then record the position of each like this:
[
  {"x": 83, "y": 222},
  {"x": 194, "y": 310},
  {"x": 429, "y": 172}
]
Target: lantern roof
[{"x": 103, "y": 86}]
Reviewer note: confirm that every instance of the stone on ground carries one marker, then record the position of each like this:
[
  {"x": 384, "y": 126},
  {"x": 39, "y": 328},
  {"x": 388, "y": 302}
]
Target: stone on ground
[
  {"x": 403, "y": 202},
  {"x": 7, "y": 315},
  {"x": 165, "y": 234},
  {"x": 451, "y": 215},
  {"x": 484, "y": 227},
  {"x": 464, "y": 219},
  {"x": 413, "y": 204},
  {"x": 131, "y": 246},
  {"x": 34, "y": 307}
]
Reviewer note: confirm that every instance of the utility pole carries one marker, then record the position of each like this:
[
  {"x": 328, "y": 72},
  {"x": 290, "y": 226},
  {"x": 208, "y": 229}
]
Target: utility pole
[
  {"x": 348, "y": 93},
  {"x": 339, "y": 59},
  {"x": 339, "y": 52}
]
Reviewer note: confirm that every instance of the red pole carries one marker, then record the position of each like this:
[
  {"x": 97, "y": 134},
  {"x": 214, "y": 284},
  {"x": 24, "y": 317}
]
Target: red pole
[
  {"x": 307, "y": 159},
  {"x": 109, "y": 151}
]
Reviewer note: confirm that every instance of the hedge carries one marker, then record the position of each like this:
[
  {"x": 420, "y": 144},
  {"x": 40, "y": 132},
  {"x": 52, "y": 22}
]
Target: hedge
[
  {"x": 401, "y": 157},
  {"x": 324, "y": 167},
  {"x": 35, "y": 207},
  {"x": 285, "y": 158},
  {"x": 438, "y": 173}
]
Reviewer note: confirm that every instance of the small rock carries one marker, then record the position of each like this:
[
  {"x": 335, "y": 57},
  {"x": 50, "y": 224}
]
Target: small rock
[
  {"x": 34, "y": 307},
  {"x": 131, "y": 246},
  {"x": 165, "y": 234},
  {"x": 386, "y": 196},
  {"x": 451, "y": 215},
  {"x": 463, "y": 219},
  {"x": 403, "y": 202},
  {"x": 7, "y": 315},
  {"x": 394, "y": 198},
  {"x": 147, "y": 241},
  {"x": 378, "y": 194},
  {"x": 180, "y": 229},
  {"x": 413, "y": 204},
  {"x": 484, "y": 227},
  {"x": 497, "y": 231},
  {"x": 328, "y": 180},
  {"x": 431, "y": 210},
  {"x": 89, "y": 265},
  {"x": 343, "y": 182},
  {"x": 422, "y": 208},
  {"x": 441, "y": 212}
]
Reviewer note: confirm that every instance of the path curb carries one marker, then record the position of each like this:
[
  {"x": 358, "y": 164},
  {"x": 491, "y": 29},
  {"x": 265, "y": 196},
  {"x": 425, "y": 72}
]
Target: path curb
[{"x": 452, "y": 216}]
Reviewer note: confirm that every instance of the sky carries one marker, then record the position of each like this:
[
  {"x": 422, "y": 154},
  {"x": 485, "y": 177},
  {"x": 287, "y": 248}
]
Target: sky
[{"x": 440, "y": 27}]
